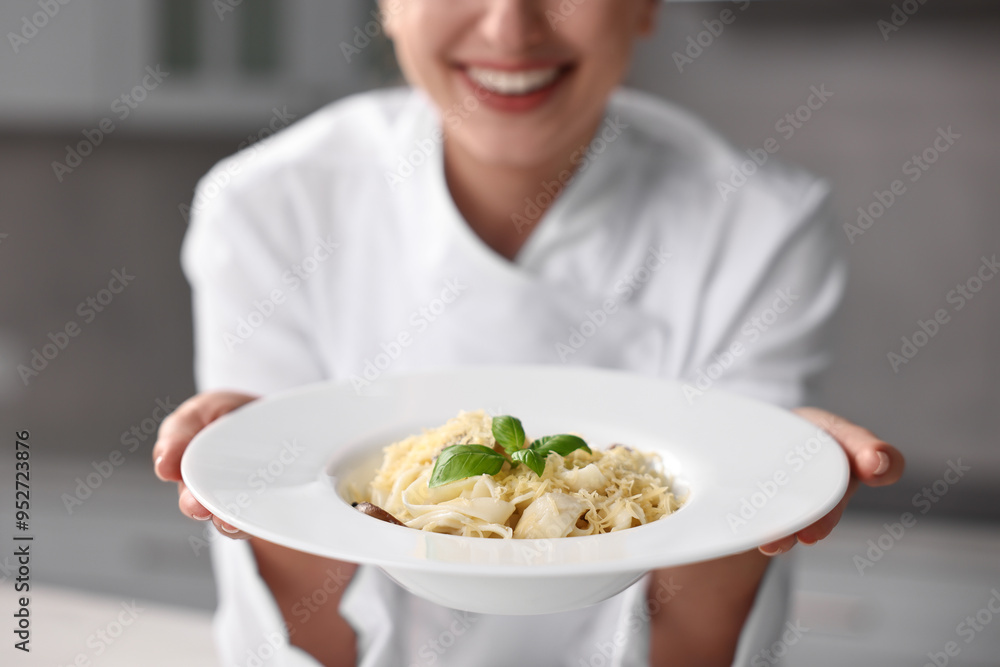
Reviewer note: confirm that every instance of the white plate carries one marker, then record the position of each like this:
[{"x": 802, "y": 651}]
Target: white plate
[{"x": 753, "y": 472}]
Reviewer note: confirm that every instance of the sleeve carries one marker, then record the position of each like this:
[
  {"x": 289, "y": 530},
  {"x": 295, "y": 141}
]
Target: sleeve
[
  {"x": 770, "y": 299},
  {"x": 251, "y": 308}
]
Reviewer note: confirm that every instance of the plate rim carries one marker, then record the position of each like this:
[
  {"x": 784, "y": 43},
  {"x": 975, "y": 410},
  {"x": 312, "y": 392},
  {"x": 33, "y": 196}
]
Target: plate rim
[{"x": 413, "y": 563}]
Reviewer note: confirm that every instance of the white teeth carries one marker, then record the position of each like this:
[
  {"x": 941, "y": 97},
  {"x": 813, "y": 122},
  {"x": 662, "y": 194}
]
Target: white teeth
[{"x": 513, "y": 83}]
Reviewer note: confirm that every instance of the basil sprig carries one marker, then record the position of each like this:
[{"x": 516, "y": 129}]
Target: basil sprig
[
  {"x": 530, "y": 458},
  {"x": 560, "y": 444},
  {"x": 509, "y": 433},
  {"x": 461, "y": 461}
]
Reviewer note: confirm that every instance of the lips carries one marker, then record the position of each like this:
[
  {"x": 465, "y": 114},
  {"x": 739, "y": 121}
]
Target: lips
[
  {"x": 514, "y": 89},
  {"x": 519, "y": 82}
]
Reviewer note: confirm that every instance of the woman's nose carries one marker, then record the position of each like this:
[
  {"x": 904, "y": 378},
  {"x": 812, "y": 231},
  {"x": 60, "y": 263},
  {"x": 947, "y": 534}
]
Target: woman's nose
[{"x": 514, "y": 25}]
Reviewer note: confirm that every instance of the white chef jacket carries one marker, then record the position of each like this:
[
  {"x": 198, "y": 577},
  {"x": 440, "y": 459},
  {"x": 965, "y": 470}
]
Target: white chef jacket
[{"x": 334, "y": 250}]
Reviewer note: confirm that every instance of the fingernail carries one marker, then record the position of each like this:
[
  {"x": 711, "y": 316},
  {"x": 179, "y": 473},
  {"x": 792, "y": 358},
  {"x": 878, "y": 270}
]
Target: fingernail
[
  {"x": 229, "y": 529},
  {"x": 156, "y": 467},
  {"x": 201, "y": 517},
  {"x": 806, "y": 541},
  {"x": 883, "y": 464},
  {"x": 775, "y": 552}
]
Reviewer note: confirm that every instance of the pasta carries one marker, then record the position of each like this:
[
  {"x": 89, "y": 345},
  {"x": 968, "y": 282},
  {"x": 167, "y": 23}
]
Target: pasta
[{"x": 582, "y": 493}]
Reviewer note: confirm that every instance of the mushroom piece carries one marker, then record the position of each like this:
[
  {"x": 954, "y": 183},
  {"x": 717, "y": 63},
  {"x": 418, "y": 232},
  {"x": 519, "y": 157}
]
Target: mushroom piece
[{"x": 377, "y": 512}]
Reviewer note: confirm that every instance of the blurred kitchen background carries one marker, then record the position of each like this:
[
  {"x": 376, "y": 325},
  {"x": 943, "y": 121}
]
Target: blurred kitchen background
[{"x": 899, "y": 72}]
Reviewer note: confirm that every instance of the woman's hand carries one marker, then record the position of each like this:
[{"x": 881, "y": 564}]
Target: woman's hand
[
  {"x": 292, "y": 576},
  {"x": 873, "y": 462},
  {"x": 176, "y": 433}
]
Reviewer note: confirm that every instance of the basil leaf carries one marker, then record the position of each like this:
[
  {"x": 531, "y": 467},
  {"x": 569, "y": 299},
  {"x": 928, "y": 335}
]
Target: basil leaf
[
  {"x": 560, "y": 444},
  {"x": 509, "y": 433},
  {"x": 530, "y": 458},
  {"x": 461, "y": 461}
]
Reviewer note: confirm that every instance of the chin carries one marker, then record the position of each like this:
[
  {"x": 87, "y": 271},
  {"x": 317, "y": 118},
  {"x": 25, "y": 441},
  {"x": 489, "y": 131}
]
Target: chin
[
  {"x": 508, "y": 156},
  {"x": 504, "y": 148}
]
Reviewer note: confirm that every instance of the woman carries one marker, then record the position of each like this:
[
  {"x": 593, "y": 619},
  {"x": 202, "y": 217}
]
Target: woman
[{"x": 518, "y": 190}]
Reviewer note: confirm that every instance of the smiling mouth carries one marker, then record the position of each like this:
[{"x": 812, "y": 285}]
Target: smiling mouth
[{"x": 515, "y": 83}]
